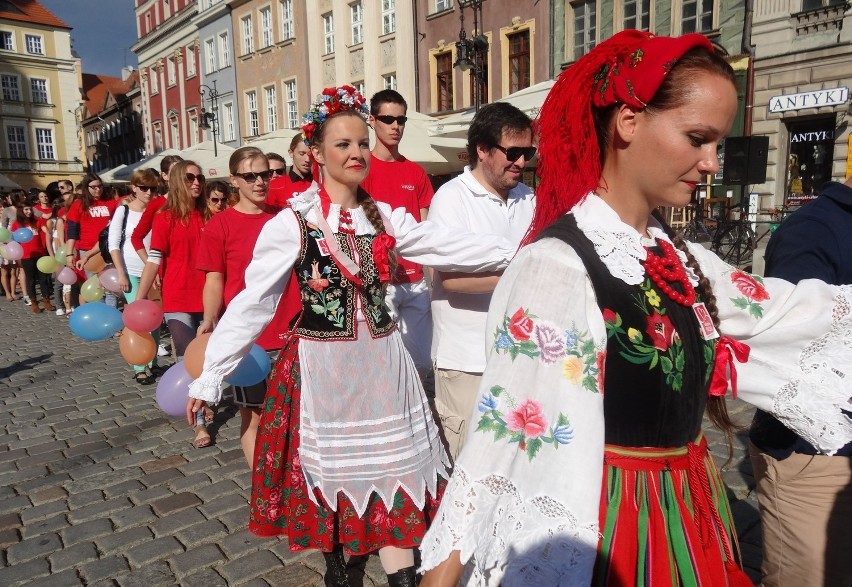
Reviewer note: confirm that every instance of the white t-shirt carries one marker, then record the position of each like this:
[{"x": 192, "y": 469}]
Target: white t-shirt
[
  {"x": 458, "y": 332},
  {"x": 131, "y": 259}
]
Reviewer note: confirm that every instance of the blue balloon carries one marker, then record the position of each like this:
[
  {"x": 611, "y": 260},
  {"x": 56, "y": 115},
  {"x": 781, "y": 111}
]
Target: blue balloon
[
  {"x": 95, "y": 321},
  {"x": 23, "y": 235},
  {"x": 254, "y": 368}
]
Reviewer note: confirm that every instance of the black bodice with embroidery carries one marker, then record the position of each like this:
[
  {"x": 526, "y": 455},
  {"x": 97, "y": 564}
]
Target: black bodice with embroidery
[{"x": 658, "y": 366}]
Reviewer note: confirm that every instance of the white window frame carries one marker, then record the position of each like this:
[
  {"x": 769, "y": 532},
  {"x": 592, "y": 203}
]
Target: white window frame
[
  {"x": 642, "y": 8},
  {"x": 287, "y": 23},
  {"x": 154, "y": 80},
  {"x": 19, "y": 141},
  {"x": 388, "y": 17},
  {"x": 42, "y": 92},
  {"x": 171, "y": 71},
  {"x": 37, "y": 46},
  {"x": 193, "y": 128},
  {"x": 441, "y": 5},
  {"x": 248, "y": 34},
  {"x": 10, "y": 36},
  {"x": 266, "y": 37},
  {"x": 328, "y": 29},
  {"x": 270, "y": 95},
  {"x": 158, "y": 137},
  {"x": 209, "y": 56},
  {"x": 224, "y": 49},
  {"x": 174, "y": 132},
  {"x": 11, "y": 83},
  {"x": 359, "y": 85},
  {"x": 356, "y": 15},
  {"x": 292, "y": 98},
  {"x": 389, "y": 81},
  {"x": 585, "y": 10},
  {"x": 46, "y": 149},
  {"x": 228, "y": 121},
  {"x": 702, "y": 7},
  {"x": 253, "y": 126},
  {"x": 190, "y": 61}
]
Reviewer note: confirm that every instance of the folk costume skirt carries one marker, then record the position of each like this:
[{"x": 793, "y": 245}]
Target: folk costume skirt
[
  {"x": 280, "y": 503},
  {"x": 665, "y": 520}
]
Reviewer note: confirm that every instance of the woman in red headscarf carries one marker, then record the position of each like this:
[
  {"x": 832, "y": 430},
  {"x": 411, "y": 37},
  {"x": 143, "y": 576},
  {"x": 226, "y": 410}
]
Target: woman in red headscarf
[{"x": 587, "y": 464}]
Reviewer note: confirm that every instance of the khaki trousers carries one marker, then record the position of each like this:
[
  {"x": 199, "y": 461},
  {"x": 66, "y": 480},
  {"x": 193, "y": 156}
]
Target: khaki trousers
[
  {"x": 455, "y": 396},
  {"x": 806, "y": 513}
]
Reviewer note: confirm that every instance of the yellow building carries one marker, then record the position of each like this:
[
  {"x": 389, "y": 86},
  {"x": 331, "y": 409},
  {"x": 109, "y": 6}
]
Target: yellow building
[{"x": 40, "y": 96}]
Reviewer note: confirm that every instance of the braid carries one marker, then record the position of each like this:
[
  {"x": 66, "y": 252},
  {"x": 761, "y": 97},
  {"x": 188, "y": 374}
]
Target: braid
[{"x": 371, "y": 211}]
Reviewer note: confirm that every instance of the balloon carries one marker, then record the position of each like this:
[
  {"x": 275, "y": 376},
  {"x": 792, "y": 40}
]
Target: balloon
[
  {"x": 193, "y": 356},
  {"x": 91, "y": 290},
  {"x": 173, "y": 389},
  {"x": 23, "y": 235},
  {"x": 143, "y": 316},
  {"x": 252, "y": 369},
  {"x": 5, "y": 235},
  {"x": 47, "y": 264},
  {"x": 95, "y": 321},
  {"x": 61, "y": 254},
  {"x": 13, "y": 251},
  {"x": 137, "y": 349},
  {"x": 66, "y": 276},
  {"x": 109, "y": 280}
]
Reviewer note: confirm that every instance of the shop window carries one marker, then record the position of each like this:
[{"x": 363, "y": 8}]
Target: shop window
[{"x": 811, "y": 152}]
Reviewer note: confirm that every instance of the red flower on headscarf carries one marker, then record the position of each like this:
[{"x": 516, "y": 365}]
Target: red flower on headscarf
[
  {"x": 661, "y": 330},
  {"x": 749, "y": 286}
]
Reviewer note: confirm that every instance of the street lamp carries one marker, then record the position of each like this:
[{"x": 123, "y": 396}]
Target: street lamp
[
  {"x": 208, "y": 117},
  {"x": 471, "y": 53}
]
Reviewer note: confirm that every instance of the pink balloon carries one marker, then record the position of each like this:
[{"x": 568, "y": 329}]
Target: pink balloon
[
  {"x": 66, "y": 276},
  {"x": 143, "y": 316},
  {"x": 109, "y": 280},
  {"x": 14, "y": 251}
]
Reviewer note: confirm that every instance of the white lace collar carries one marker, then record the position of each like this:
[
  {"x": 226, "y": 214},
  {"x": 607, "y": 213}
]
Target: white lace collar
[
  {"x": 307, "y": 204},
  {"x": 619, "y": 245}
]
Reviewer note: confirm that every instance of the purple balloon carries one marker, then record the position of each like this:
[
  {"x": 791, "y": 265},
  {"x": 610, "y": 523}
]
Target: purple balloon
[
  {"x": 13, "y": 251},
  {"x": 173, "y": 390},
  {"x": 109, "y": 280},
  {"x": 66, "y": 276}
]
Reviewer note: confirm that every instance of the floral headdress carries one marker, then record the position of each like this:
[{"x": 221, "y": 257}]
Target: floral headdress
[{"x": 329, "y": 103}]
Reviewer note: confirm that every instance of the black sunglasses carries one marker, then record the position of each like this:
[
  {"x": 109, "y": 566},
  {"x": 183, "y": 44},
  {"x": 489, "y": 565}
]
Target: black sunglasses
[
  {"x": 388, "y": 119},
  {"x": 279, "y": 171},
  {"x": 191, "y": 177},
  {"x": 146, "y": 188},
  {"x": 252, "y": 177},
  {"x": 215, "y": 200},
  {"x": 514, "y": 153}
]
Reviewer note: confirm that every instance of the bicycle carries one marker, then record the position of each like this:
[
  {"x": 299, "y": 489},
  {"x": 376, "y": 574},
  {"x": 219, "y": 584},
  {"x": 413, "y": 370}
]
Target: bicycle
[
  {"x": 697, "y": 229},
  {"x": 735, "y": 241}
]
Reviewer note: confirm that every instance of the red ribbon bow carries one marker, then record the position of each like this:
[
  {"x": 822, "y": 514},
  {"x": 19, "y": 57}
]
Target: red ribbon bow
[
  {"x": 381, "y": 245},
  {"x": 724, "y": 361}
]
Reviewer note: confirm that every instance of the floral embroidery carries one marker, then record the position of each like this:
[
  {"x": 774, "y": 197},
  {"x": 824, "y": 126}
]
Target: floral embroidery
[
  {"x": 752, "y": 290},
  {"x": 524, "y": 423},
  {"x": 581, "y": 361}
]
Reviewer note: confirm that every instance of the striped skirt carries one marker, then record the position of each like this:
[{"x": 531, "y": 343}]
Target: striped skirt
[{"x": 665, "y": 520}]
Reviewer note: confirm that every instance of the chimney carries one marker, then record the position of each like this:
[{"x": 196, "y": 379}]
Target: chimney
[{"x": 126, "y": 72}]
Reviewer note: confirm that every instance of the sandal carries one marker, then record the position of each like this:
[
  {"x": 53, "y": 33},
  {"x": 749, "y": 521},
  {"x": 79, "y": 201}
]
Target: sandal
[
  {"x": 202, "y": 437},
  {"x": 209, "y": 414},
  {"x": 141, "y": 378}
]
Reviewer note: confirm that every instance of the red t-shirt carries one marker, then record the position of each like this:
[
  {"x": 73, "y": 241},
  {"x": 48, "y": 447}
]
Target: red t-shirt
[
  {"x": 179, "y": 241},
  {"x": 34, "y": 248},
  {"x": 284, "y": 187},
  {"x": 43, "y": 209},
  {"x": 402, "y": 184},
  {"x": 226, "y": 247},
  {"x": 91, "y": 221},
  {"x": 146, "y": 222}
]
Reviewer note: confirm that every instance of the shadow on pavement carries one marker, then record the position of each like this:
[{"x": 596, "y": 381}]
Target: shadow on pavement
[{"x": 24, "y": 365}]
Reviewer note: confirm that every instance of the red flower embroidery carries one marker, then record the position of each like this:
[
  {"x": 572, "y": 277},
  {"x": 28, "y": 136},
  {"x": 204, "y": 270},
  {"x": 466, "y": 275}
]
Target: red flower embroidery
[
  {"x": 528, "y": 418},
  {"x": 661, "y": 331},
  {"x": 749, "y": 286},
  {"x": 609, "y": 316},
  {"x": 521, "y": 325}
]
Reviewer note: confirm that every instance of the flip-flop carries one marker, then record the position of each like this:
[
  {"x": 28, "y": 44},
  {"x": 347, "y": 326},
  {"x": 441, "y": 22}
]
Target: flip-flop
[{"x": 202, "y": 437}]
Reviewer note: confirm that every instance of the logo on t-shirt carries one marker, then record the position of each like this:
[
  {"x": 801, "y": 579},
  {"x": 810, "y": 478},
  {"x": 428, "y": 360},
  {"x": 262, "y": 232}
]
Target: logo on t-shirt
[
  {"x": 407, "y": 186},
  {"x": 99, "y": 212}
]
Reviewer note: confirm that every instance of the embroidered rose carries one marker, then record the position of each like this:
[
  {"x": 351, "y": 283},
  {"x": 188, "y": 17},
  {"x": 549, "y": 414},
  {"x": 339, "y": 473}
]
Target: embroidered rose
[
  {"x": 527, "y": 418},
  {"x": 521, "y": 325},
  {"x": 609, "y": 316},
  {"x": 272, "y": 512},
  {"x": 749, "y": 286},
  {"x": 551, "y": 344},
  {"x": 572, "y": 369},
  {"x": 377, "y": 517},
  {"x": 661, "y": 330}
]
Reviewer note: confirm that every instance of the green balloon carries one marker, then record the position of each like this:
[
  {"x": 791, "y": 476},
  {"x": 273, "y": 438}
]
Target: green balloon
[
  {"x": 5, "y": 235},
  {"x": 47, "y": 264},
  {"x": 91, "y": 290}
]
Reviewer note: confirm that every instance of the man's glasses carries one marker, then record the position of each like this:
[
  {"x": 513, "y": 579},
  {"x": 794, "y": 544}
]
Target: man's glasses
[
  {"x": 252, "y": 177},
  {"x": 215, "y": 200},
  {"x": 514, "y": 153},
  {"x": 96, "y": 186},
  {"x": 146, "y": 188},
  {"x": 387, "y": 119},
  {"x": 191, "y": 177},
  {"x": 279, "y": 171}
]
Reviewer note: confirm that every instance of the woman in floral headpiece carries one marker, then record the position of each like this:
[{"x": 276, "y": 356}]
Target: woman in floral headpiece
[
  {"x": 587, "y": 464},
  {"x": 348, "y": 457}
]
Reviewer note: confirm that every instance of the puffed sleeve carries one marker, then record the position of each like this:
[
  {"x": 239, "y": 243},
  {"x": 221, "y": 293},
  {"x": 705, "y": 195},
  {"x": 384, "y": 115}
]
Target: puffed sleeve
[
  {"x": 522, "y": 504},
  {"x": 799, "y": 336},
  {"x": 275, "y": 253}
]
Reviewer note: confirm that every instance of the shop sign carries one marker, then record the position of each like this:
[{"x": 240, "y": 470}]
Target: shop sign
[{"x": 815, "y": 99}]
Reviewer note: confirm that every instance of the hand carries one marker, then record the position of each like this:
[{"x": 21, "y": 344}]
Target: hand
[
  {"x": 192, "y": 407},
  {"x": 204, "y": 327},
  {"x": 158, "y": 282},
  {"x": 124, "y": 283},
  {"x": 79, "y": 264}
]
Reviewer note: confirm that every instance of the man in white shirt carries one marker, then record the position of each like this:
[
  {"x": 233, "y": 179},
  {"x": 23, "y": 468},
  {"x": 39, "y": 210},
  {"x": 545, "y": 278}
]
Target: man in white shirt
[{"x": 487, "y": 198}]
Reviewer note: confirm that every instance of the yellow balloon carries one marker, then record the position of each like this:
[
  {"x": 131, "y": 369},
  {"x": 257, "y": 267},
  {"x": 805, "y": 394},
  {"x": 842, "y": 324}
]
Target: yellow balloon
[
  {"x": 91, "y": 290},
  {"x": 47, "y": 264}
]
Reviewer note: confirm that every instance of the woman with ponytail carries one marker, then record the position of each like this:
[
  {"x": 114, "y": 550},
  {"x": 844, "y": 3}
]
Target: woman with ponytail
[
  {"x": 348, "y": 457},
  {"x": 609, "y": 339}
]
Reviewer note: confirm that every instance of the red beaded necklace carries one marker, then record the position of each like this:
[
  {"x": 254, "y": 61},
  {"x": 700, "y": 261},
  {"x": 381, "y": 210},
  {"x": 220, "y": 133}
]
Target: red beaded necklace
[
  {"x": 345, "y": 224},
  {"x": 666, "y": 269}
]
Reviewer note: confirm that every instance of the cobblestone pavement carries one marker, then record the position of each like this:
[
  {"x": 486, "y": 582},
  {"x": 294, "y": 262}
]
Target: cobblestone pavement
[{"x": 98, "y": 487}]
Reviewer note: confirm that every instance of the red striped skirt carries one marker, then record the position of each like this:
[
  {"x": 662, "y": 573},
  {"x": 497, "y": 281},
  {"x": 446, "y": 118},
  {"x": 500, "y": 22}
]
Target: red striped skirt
[{"x": 665, "y": 520}]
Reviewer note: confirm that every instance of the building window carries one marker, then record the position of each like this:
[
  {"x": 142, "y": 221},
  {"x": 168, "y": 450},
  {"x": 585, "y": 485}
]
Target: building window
[
  {"x": 7, "y": 41},
  {"x": 359, "y": 87},
  {"x": 224, "y": 50},
  {"x": 209, "y": 57},
  {"x": 11, "y": 88},
  {"x": 697, "y": 16},
  {"x": 16, "y": 136},
  {"x": 154, "y": 76},
  {"x": 271, "y": 109},
  {"x": 266, "y": 27},
  {"x": 441, "y": 5},
  {"x": 44, "y": 141},
  {"x": 328, "y": 27},
  {"x": 444, "y": 62},
  {"x": 390, "y": 81},
  {"x": 193, "y": 129},
  {"x": 34, "y": 44},
  {"x": 190, "y": 61},
  {"x": 388, "y": 16},
  {"x": 175, "y": 128},
  {"x": 287, "y": 25},
  {"x": 292, "y": 104},
  {"x": 585, "y": 27},
  {"x": 170, "y": 71},
  {"x": 519, "y": 61},
  {"x": 817, "y": 4},
  {"x": 38, "y": 89},
  {"x": 228, "y": 121},
  {"x": 357, "y": 23},
  {"x": 158, "y": 138},
  {"x": 251, "y": 108},
  {"x": 637, "y": 14},
  {"x": 248, "y": 36}
]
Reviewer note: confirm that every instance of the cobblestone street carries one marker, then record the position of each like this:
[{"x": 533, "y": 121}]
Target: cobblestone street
[{"x": 98, "y": 487}]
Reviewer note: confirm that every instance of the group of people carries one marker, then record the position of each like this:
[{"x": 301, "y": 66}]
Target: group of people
[{"x": 575, "y": 341}]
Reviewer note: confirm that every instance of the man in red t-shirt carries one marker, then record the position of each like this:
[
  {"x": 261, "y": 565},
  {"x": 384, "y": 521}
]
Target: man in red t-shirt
[
  {"x": 284, "y": 187},
  {"x": 395, "y": 180}
]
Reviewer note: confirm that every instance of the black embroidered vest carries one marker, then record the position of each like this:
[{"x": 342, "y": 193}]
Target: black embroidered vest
[
  {"x": 658, "y": 366},
  {"x": 328, "y": 298}
]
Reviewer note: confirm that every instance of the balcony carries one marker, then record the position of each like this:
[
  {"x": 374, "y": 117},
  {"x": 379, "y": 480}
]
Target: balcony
[{"x": 820, "y": 20}]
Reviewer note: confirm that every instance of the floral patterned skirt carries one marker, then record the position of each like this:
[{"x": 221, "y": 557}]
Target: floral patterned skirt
[{"x": 280, "y": 503}]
